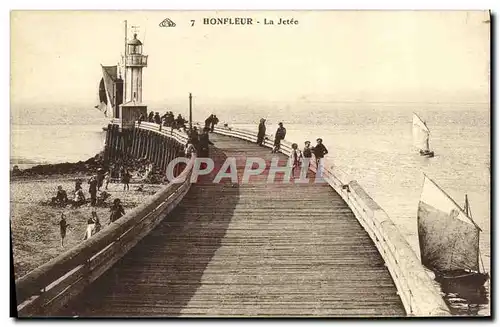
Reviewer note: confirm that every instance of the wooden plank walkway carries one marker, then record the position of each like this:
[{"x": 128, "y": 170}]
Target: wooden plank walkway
[{"x": 249, "y": 249}]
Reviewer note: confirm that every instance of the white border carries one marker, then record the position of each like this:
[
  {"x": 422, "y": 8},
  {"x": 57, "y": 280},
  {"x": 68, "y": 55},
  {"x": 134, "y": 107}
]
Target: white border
[{"x": 188, "y": 5}]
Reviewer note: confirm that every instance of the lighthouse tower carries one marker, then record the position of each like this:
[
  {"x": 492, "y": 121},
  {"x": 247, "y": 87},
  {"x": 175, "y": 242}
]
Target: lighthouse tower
[{"x": 132, "y": 106}]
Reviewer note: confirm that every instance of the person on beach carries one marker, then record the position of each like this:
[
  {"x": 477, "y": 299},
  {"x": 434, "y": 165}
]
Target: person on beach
[
  {"x": 78, "y": 185},
  {"x": 295, "y": 159},
  {"x": 91, "y": 226},
  {"x": 214, "y": 122},
  {"x": 79, "y": 197},
  {"x": 280, "y": 135},
  {"x": 63, "y": 226},
  {"x": 319, "y": 151},
  {"x": 126, "y": 179},
  {"x": 262, "y": 131},
  {"x": 116, "y": 211},
  {"x": 100, "y": 178},
  {"x": 107, "y": 178},
  {"x": 102, "y": 197},
  {"x": 61, "y": 197},
  {"x": 93, "y": 190},
  {"x": 97, "y": 222}
]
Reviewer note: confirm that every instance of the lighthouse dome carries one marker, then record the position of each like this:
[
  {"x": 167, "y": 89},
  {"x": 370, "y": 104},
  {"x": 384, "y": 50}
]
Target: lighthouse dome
[{"x": 135, "y": 41}]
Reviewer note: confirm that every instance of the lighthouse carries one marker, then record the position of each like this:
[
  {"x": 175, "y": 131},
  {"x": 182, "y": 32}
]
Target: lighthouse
[{"x": 133, "y": 106}]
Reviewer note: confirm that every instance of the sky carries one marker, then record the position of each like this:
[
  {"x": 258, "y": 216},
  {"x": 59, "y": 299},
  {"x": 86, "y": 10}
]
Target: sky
[{"x": 387, "y": 56}]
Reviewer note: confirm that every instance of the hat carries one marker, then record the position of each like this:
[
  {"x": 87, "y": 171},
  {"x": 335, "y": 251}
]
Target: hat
[{"x": 319, "y": 140}]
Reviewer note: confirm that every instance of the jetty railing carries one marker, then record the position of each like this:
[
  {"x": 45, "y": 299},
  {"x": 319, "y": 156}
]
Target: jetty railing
[
  {"x": 46, "y": 289},
  {"x": 419, "y": 295}
]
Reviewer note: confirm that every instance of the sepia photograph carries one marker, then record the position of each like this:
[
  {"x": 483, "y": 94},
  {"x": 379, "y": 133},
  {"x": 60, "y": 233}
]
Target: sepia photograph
[{"x": 251, "y": 163}]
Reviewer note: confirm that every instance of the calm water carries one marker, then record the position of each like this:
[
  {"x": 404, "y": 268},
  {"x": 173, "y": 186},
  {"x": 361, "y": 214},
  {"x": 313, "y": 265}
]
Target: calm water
[{"x": 370, "y": 143}]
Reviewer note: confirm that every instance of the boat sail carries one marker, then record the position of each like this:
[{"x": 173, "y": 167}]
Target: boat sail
[
  {"x": 448, "y": 237},
  {"x": 421, "y": 136},
  {"x": 110, "y": 91}
]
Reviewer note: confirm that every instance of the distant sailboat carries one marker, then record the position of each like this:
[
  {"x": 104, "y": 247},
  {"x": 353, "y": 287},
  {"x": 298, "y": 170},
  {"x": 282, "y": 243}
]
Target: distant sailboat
[
  {"x": 421, "y": 136},
  {"x": 448, "y": 237}
]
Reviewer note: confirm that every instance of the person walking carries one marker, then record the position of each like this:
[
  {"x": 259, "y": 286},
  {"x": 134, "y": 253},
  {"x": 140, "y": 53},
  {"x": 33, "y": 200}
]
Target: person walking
[
  {"x": 319, "y": 151},
  {"x": 262, "y": 131},
  {"x": 126, "y": 179},
  {"x": 63, "y": 226},
  {"x": 280, "y": 135},
  {"x": 93, "y": 190}
]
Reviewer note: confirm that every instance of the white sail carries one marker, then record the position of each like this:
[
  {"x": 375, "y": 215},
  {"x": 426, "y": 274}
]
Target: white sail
[
  {"x": 449, "y": 239},
  {"x": 420, "y": 134}
]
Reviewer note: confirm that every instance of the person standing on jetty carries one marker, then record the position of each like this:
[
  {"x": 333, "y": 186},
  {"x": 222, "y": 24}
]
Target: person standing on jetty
[
  {"x": 63, "y": 226},
  {"x": 214, "y": 122},
  {"x": 280, "y": 135},
  {"x": 295, "y": 158},
  {"x": 319, "y": 151},
  {"x": 208, "y": 121},
  {"x": 93, "y": 226},
  {"x": 203, "y": 144},
  {"x": 262, "y": 131},
  {"x": 116, "y": 211}
]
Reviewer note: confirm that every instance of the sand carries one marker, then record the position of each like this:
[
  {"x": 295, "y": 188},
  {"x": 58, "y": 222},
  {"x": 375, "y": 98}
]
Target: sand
[{"x": 35, "y": 225}]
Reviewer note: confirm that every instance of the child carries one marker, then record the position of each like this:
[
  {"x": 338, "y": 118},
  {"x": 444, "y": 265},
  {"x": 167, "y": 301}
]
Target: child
[
  {"x": 295, "y": 158},
  {"x": 63, "y": 225},
  {"x": 307, "y": 153}
]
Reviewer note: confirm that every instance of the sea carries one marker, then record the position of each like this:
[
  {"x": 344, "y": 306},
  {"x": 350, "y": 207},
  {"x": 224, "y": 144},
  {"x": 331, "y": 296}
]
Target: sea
[{"x": 367, "y": 142}]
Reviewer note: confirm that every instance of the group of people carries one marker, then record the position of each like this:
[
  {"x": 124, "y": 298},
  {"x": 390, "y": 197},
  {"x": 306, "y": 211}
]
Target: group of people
[
  {"x": 93, "y": 222},
  {"x": 210, "y": 122},
  {"x": 97, "y": 197},
  {"x": 198, "y": 143},
  {"x": 168, "y": 119},
  {"x": 297, "y": 156}
]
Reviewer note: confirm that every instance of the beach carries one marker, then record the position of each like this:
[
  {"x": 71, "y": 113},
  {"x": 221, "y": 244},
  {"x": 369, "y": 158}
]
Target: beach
[{"x": 35, "y": 224}]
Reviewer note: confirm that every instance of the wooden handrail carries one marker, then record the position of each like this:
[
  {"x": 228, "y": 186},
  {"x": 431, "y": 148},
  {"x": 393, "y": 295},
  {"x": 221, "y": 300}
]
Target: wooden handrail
[{"x": 417, "y": 292}]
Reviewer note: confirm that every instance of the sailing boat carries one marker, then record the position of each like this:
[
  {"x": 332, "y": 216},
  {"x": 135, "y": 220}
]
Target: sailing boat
[
  {"x": 448, "y": 237},
  {"x": 421, "y": 136}
]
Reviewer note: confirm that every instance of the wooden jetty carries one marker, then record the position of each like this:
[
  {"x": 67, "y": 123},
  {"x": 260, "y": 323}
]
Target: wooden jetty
[{"x": 241, "y": 249}]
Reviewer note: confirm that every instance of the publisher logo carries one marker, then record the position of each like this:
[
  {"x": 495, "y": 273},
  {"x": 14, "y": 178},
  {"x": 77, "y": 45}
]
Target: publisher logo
[{"x": 167, "y": 22}]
